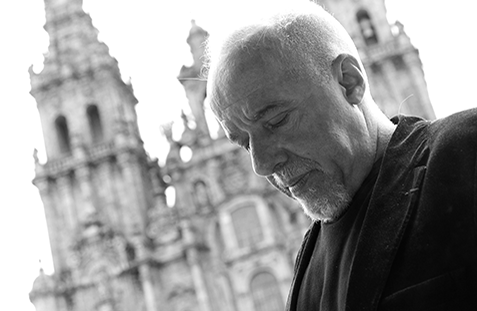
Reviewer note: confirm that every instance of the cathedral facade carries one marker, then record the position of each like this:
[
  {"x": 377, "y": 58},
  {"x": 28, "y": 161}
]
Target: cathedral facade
[{"x": 229, "y": 241}]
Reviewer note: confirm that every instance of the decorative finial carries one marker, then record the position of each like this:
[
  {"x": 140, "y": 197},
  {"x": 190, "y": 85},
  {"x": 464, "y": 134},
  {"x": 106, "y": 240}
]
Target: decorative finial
[
  {"x": 185, "y": 119},
  {"x": 37, "y": 161},
  {"x": 42, "y": 271}
]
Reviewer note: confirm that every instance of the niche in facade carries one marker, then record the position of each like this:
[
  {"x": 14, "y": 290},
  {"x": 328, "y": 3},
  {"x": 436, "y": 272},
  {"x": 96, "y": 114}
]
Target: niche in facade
[
  {"x": 202, "y": 198},
  {"x": 367, "y": 28}
]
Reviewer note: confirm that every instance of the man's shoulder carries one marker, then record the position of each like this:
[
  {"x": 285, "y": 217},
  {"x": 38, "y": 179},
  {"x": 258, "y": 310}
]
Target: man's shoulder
[{"x": 457, "y": 130}]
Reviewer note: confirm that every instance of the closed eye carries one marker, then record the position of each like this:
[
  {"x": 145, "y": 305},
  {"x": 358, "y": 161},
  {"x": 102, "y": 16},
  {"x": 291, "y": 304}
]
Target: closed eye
[
  {"x": 278, "y": 121},
  {"x": 245, "y": 145}
]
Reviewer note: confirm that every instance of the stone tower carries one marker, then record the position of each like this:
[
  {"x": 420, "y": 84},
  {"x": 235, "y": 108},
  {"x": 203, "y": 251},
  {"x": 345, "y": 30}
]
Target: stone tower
[
  {"x": 392, "y": 63},
  {"x": 98, "y": 186}
]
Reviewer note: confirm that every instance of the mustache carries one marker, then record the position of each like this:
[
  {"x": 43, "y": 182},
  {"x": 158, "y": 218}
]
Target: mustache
[
  {"x": 290, "y": 170},
  {"x": 294, "y": 169}
]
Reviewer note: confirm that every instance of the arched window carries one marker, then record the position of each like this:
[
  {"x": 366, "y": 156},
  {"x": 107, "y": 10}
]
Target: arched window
[
  {"x": 63, "y": 134},
  {"x": 266, "y": 293},
  {"x": 95, "y": 127},
  {"x": 367, "y": 27},
  {"x": 398, "y": 62},
  {"x": 248, "y": 230}
]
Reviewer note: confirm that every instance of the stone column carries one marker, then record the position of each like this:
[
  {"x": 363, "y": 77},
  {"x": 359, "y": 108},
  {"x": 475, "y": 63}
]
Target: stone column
[
  {"x": 198, "y": 278},
  {"x": 142, "y": 256},
  {"x": 130, "y": 194}
]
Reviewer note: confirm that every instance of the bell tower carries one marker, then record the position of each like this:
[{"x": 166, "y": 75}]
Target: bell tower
[
  {"x": 81, "y": 98},
  {"x": 98, "y": 184},
  {"x": 391, "y": 61}
]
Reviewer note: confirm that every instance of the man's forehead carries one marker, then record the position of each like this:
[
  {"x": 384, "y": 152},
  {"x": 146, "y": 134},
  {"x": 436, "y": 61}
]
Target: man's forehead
[
  {"x": 241, "y": 94},
  {"x": 246, "y": 107},
  {"x": 244, "y": 84}
]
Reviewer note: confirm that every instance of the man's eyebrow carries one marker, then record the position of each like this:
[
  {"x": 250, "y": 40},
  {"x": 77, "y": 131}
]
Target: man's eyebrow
[{"x": 236, "y": 140}]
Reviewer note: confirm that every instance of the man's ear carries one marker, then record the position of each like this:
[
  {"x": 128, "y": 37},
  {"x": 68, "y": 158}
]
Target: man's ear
[{"x": 350, "y": 77}]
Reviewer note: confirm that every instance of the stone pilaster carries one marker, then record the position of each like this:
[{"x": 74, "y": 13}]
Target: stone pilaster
[
  {"x": 65, "y": 194},
  {"x": 87, "y": 210}
]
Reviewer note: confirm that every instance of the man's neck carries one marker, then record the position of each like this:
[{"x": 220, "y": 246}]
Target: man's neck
[{"x": 385, "y": 132}]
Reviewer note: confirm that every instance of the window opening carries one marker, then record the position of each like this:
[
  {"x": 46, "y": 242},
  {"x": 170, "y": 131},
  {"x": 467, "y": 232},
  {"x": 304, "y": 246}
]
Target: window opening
[
  {"x": 248, "y": 229},
  {"x": 63, "y": 134},
  {"x": 266, "y": 293},
  {"x": 367, "y": 28},
  {"x": 95, "y": 126}
]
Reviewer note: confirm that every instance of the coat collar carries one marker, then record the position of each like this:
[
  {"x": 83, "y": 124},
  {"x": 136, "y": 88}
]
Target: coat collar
[{"x": 390, "y": 207}]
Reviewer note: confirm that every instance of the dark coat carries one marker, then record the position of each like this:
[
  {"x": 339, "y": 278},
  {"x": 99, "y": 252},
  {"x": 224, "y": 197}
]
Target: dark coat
[{"x": 417, "y": 248}]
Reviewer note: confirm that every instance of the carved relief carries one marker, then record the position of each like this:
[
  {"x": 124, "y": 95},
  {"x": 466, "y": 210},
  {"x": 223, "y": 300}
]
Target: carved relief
[
  {"x": 98, "y": 246},
  {"x": 163, "y": 223}
]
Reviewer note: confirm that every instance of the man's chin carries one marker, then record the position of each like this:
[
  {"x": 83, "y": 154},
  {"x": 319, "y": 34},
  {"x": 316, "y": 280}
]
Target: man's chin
[
  {"x": 321, "y": 204},
  {"x": 326, "y": 210},
  {"x": 318, "y": 216}
]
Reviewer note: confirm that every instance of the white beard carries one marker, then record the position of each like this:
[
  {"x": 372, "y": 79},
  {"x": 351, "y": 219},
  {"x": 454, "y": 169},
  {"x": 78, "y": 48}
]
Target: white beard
[
  {"x": 327, "y": 205},
  {"x": 325, "y": 199}
]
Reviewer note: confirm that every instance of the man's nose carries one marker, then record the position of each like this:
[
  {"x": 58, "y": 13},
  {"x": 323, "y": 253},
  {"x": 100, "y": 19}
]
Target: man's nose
[{"x": 266, "y": 155}]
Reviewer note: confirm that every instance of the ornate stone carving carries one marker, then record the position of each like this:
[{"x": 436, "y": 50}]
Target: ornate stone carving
[{"x": 163, "y": 223}]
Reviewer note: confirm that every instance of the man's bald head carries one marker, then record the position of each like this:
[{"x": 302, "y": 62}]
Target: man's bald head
[
  {"x": 303, "y": 42},
  {"x": 292, "y": 91}
]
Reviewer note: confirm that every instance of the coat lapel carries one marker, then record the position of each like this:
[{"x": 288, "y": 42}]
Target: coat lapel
[
  {"x": 390, "y": 208},
  {"x": 304, "y": 255}
]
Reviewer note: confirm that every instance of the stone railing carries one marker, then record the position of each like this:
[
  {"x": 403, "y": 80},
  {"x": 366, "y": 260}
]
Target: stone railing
[
  {"x": 53, "y": 167},
  {"x": 400, "y": 45},
  {"x": 68, "y": 162},
  {"x": 100, "y": 151}
]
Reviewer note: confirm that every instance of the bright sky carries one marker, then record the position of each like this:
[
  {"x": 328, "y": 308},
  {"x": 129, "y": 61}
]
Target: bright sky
[{"x": 148, "y": 39}]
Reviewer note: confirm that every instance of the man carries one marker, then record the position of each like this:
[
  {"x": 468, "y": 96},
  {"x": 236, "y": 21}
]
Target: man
[{"x": 393, "y": 203}]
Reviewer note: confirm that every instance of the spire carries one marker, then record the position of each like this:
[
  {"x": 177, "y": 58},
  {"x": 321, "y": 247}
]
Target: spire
[
  {"x": 195, "y": 40},
  {"x": 194, "y": 85},
  {"x": 80, "y": 84},
  {"x": 74, "y": 48}
]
